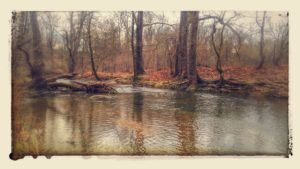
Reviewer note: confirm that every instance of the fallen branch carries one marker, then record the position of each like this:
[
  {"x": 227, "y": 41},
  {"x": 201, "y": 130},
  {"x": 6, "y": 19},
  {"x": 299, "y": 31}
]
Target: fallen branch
[
  {"x": 76, "y": 85},
  {"x": 64, "y": 76}
]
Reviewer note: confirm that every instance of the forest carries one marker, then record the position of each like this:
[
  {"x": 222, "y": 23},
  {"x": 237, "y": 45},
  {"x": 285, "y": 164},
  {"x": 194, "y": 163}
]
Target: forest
[
  {"x": 209, "y": 51},
  {"x": 150, "y": 83}
]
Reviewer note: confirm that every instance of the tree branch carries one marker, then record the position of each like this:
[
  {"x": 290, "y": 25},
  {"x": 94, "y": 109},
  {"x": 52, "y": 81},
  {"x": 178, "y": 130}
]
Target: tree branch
[{"x": 159, "y": 23}]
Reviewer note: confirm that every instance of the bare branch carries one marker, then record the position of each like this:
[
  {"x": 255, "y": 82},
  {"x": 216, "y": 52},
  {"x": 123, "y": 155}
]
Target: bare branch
[
  {"x": 159, "y": 23},
  {"x": 207, "y": 17},
  {"x": 256, "y": 19}
]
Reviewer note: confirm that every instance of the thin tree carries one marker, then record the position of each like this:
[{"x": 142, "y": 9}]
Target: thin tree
[
  {"x": 37, "y": 57},
  {"x": 50, "y": 22},
  {"x": 280, "y": 34},
  {"x": 133, "y": 19},
  {"x": 73, "y": 37},
  {"x": 262, "y": 43},
  {"x": 283, "y": 46},
  {"x": 218, "y": 50},
  {"x": 22, "y": 39},
  {"x": 91, "y": 51}
]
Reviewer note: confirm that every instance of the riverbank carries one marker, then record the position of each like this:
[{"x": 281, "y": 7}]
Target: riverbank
[{"x": 269, "y": 81}]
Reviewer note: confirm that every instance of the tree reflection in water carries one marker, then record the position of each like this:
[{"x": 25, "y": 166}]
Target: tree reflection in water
[
  {"x": 137, "y": 116},
  {"x": 184, "y": 116},
  {"x": 31, "y": 129},
  {"x": 149, "y": 123}
]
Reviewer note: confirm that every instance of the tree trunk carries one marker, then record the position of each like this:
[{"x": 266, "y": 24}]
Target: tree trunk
[
  {"x": 274, "y": 53},
  {"x": 218, "y": 51},
  {"x": 37, "y": 65},
  {"x": 73, "y": 38},
  {"x": 132, "y": 43},
  {"x": 262, "y": 43},
  {"x": 192, "y": 54},
  {"x": 71, "y": 46},
  {"x": 91, "y": 51},
  {"x": 181, "y": 50},
  {"x": 139, "y": 46}
]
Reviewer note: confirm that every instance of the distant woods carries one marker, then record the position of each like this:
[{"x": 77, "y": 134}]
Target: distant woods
[{"x": 45, "y": 43}]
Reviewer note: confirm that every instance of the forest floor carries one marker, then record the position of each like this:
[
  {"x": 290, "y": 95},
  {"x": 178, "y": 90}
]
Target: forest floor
[{"x": 270, "y": 81}]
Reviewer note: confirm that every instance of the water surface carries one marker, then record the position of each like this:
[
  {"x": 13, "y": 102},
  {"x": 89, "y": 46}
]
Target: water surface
[{"x": 145, "y": 121}]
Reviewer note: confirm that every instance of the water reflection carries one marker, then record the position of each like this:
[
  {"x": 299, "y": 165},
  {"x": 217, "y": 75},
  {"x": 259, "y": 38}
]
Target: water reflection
[
  {"x": 138, "y": 101},
  {"x": 142, "y": 121},
  {"x": 36, "y": 122},
  {"x": 184, "y": 116}
]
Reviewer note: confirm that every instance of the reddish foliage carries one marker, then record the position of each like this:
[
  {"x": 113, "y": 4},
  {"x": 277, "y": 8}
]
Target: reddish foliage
[
  {"x": 158, "y": 76},
  {"x": 247, "y": 73},
  {"x": 269, "y": 79}
]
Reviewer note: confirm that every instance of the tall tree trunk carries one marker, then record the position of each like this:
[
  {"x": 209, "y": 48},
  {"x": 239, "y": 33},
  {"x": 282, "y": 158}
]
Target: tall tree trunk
[
  {"x": 192, "y": 52},
  {"x": 91, "y": 51},
  {"x": 71, "y": 46},
  {"x": 262, "y": 43},
  {"x": 132, "y": 43},
  {"x": 37, "y": 65},
  {"x": 218, "y": 51},
  {"x": 74, "y": 37},
  {"x": 181, "y": 50},
  {"x": 139, "y": 46}
]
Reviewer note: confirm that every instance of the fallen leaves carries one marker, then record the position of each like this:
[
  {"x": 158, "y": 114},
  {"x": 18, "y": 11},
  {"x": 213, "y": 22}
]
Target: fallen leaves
[{"x": 270, "y": 80}]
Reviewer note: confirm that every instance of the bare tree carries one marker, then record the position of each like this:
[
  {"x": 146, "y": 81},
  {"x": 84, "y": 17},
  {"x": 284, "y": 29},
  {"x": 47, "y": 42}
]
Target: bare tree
[
  {"x": 22, "y": 39},
  {"x": 133, "y": 20},
  {"x": 280, "y": 33},
  {"x": 262, "y": 43},
  {"x": 50, "y": 22},
  {"x": 181, "y": 49},
  {"x": 73, "y": 38},
  {"x": 124, "y": 20},
  {"x": 37, "y": 57},
  {"x": 91, "y": 50},
  {"x": 237, "y": 48},
  {"x": 192, "y": 52},
  {"x": 139, "y": 69},
  {"x": 284, "y": 43},
  {"x": 218, "y": 50}
]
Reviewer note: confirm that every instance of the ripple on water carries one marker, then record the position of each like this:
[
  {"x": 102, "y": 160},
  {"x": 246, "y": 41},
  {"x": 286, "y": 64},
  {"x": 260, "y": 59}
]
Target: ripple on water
[{"x": 141, "y": 120}]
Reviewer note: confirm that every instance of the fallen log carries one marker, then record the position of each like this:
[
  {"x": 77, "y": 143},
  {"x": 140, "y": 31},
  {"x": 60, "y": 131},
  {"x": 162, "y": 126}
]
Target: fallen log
[
  {"x": 77, "y": 85},
  {"x": 64, "y": 76}
]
